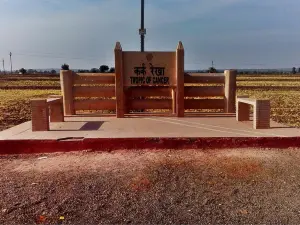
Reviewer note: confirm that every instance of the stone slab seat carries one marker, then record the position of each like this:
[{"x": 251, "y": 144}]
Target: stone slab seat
[
  {"x": 261, "y": 111},
  {"x": 44, "y": 111}
]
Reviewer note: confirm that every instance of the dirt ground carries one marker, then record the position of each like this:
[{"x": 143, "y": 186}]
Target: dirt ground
[{"x": 257, "y": 186}]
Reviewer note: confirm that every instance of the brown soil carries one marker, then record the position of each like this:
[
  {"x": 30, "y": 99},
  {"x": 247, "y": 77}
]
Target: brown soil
[
  {"x": 15, "y": 113},
  {"x": 152, "y": 187}
]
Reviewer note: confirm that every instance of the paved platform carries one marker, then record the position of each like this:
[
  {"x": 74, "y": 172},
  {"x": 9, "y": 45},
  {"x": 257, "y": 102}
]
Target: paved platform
[{"x": 80, "y": 127}]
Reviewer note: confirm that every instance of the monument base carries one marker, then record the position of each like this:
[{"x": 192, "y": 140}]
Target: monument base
[{"x": 108, "y": 133}]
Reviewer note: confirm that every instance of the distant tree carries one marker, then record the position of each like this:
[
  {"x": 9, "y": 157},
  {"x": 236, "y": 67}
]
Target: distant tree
[
  {"x": 53, "y": 71},
  {"x": 299, "y": 70},
  {"x": 212, "y": 70},
  {"x": 65, "y": 67},
  {"x": 294, "y": 70},
  {"x": 104, "y": 68},
  {"x": 94, "y": 70},
  {"x": 112, "y": 70},
  {"x": 22, "y": 71},
  {"x": 83, "y": 71},
  {"x": 30, "y": 71}
]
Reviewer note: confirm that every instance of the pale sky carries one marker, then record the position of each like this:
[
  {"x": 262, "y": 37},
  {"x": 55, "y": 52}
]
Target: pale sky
[{"x": 83, "y": 33}]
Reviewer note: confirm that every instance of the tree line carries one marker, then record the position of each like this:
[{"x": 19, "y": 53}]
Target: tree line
[
  {"x": 107, "y": 69},
  {"x": 101, "y": 69},
  {"x": 33, "y": 71},
  {"x": 214, "y": 70}
]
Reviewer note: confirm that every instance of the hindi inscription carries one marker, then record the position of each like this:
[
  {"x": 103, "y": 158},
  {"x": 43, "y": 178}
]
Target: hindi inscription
[{"x": 151, "y": 69}]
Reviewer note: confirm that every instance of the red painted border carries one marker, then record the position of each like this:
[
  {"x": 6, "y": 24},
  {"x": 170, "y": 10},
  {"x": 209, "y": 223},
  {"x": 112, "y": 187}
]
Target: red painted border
[{"x": 106, "y": 144}]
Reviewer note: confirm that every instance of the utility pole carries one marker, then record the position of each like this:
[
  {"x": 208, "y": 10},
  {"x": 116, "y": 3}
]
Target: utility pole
[
  {"x": 10, "y": 54},
  {"x": 142, "y": 29},
  {"x": 3, "y": 66},
  {"x": 212, "y": 64}
]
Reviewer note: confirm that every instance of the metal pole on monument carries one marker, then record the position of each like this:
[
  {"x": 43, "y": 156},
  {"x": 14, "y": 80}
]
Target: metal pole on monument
[{"x": 142, "y": 30}]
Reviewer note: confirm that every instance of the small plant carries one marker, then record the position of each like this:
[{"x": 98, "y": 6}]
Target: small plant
[
  {"x": 112, "y": 70},
  {"x": 94, "y": 70},
  {"x": 65, "y": 67},
  {"x": 103, "y": 68},
  {"x": 22, "y": 71},
  {"x": 212, "y": 70}
]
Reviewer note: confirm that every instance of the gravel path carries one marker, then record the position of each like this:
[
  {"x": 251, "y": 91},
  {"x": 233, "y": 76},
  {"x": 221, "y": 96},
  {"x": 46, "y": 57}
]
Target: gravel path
[{"x": 150, "y": 187}]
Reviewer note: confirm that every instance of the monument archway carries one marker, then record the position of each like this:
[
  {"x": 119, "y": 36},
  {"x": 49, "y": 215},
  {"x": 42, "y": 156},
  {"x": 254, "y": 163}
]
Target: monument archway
[{"x": 149, "y": 81}]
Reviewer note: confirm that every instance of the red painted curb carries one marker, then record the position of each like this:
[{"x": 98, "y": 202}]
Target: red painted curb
[{"x": 107, "y": 144}]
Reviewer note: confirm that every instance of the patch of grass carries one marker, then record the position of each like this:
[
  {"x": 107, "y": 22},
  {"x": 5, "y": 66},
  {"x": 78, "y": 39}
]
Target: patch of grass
[
  {"x": 15, "y": 105},
  {"x": 285, "y": 105},
  {"x": 268, "y": 83},
  {"x": 266, "y": 78},
  {"x": 5, "y": 83}
]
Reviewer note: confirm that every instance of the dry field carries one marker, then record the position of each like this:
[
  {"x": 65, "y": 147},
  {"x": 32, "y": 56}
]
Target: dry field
[
  {"x": 232, "y": 186},
  {"x": 14, "y": 102},
  {"x": 282, "y": 90}
]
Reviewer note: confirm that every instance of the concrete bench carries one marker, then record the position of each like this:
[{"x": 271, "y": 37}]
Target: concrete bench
[
  {"x": 42, "y": 109},
  {"x": 261, "y": 111}
]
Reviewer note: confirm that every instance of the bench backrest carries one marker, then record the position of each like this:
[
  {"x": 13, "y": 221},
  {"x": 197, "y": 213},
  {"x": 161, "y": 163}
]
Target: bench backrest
[{"x": 98, "y": 92}]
